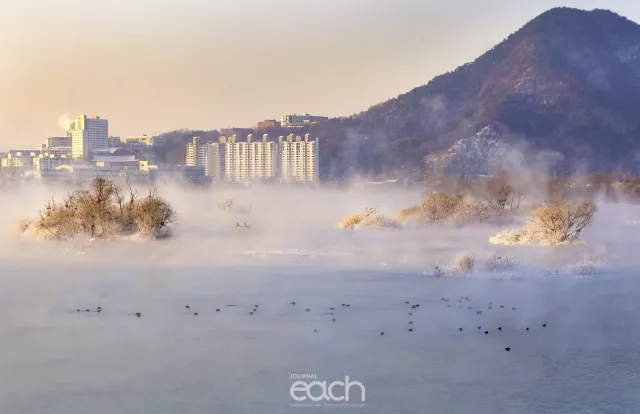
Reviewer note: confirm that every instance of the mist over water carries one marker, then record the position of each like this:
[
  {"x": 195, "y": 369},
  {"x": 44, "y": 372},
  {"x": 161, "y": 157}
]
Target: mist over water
[{"x": 54, "y": 359}]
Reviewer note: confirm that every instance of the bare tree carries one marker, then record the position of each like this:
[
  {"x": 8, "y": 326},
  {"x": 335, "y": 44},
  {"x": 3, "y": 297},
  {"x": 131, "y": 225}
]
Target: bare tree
[{"x": 503, "y": 198}]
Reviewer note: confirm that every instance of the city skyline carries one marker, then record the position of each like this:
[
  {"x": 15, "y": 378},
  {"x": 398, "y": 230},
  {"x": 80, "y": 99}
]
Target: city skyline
[{"x": 153, "y": 72}]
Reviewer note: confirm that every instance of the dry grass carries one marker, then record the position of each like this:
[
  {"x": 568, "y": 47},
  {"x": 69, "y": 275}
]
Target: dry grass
[
  {"x": 379, "y": 222},
  {"x": 370, "y": 218}
]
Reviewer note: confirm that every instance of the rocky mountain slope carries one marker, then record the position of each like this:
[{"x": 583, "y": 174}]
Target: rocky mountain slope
[{"x": 567, "y": 82}]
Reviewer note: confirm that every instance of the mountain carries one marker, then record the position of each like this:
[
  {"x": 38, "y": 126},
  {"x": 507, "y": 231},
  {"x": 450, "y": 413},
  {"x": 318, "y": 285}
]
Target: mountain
[
  {"x": 568, "y": 83},
  {"x": 563, "y": 90}
]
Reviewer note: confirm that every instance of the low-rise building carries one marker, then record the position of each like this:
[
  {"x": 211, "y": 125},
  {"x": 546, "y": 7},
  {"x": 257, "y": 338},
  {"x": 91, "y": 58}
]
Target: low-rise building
[
  {"x": 19, "y": 158},
  {"x": 144, "y": 141},
  {"x": 59, "y": 142},
  {"x": 267, "y": 123},
  {"x": 50, "y": 161},
  {"x": 299, "y": 120},
  {"x": 113, "y": 142}
]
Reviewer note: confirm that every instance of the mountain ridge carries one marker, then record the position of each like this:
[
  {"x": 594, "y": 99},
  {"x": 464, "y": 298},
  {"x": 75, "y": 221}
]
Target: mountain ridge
[{"x": 564, "y": 79}]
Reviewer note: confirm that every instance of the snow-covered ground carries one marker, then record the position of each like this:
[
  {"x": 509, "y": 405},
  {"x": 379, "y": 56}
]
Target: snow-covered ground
[{"x": 55, "y": 359}]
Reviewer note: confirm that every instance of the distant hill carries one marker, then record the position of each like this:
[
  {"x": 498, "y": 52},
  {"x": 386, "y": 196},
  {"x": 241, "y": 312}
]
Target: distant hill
[{"x": 568, "y": 82}]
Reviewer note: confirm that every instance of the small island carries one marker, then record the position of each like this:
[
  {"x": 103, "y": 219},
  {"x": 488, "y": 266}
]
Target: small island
[{"x": 104, "y": 211}]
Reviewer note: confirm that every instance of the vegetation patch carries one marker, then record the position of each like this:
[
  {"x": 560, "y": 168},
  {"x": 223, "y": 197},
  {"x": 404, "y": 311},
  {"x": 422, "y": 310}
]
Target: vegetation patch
[{"x": 103, "y": 211}]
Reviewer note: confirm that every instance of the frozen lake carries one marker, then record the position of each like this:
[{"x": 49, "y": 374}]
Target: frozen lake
[{"x": 55, "y": 359}]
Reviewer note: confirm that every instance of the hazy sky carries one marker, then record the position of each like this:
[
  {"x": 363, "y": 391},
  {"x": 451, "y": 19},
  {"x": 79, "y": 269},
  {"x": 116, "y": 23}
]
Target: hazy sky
[{"x": 150, "y": 66}]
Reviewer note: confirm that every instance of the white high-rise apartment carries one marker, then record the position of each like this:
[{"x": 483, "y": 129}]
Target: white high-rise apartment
[
  {"x": 263, "y": 158},
  {"x": 215, "y": 161},
  {"x": 88, "y": 135},
  {"x": 236, "y": 159},
  {"x": 196, "y": 154},
  {"x": 299, "y": 159}
]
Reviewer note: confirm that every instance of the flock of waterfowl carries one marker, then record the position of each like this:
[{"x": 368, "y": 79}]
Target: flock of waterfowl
[{"x": 460, "y": 300}]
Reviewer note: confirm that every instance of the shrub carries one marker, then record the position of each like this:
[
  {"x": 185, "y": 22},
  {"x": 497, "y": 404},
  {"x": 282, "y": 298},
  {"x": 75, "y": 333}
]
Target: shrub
[
  {"x": 464, "y": 263},
  {"x": 470, "y": 212},
  {"x": 561, "y": 222},
  {"x": 442, "y": 207},
  {"x": 350, "y": 222},
  {"x": 153, "y": 215},
  {"x": 104, "y": 211},
  {"x": 554, "y": 222},
  {"x": 411, "y": 214}
]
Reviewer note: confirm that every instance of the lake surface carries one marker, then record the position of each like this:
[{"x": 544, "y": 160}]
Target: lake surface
[{"x": 54, "y": 359}]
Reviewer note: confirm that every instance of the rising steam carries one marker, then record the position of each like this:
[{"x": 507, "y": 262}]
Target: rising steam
[{"x": 64, "y": 122}]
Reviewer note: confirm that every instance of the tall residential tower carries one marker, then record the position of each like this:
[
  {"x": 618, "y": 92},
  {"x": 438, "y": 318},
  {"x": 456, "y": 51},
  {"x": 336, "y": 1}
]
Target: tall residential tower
[{"x": 88, "y": 135}]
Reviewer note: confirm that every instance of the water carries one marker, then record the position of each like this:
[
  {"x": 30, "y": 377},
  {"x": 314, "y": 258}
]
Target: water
[{"x": 56, "y": 360}]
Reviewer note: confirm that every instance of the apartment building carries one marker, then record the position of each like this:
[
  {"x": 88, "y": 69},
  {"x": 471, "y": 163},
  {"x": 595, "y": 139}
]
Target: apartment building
[
  {"x": 290, "y": 159},
  {"x": 263, "y": 158},
  {"x": 236, "y": 160},
  {"x": 196, "y": 153},
  {"x": 215, "y": 161},
  {"x": 299, "y": 158}
]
